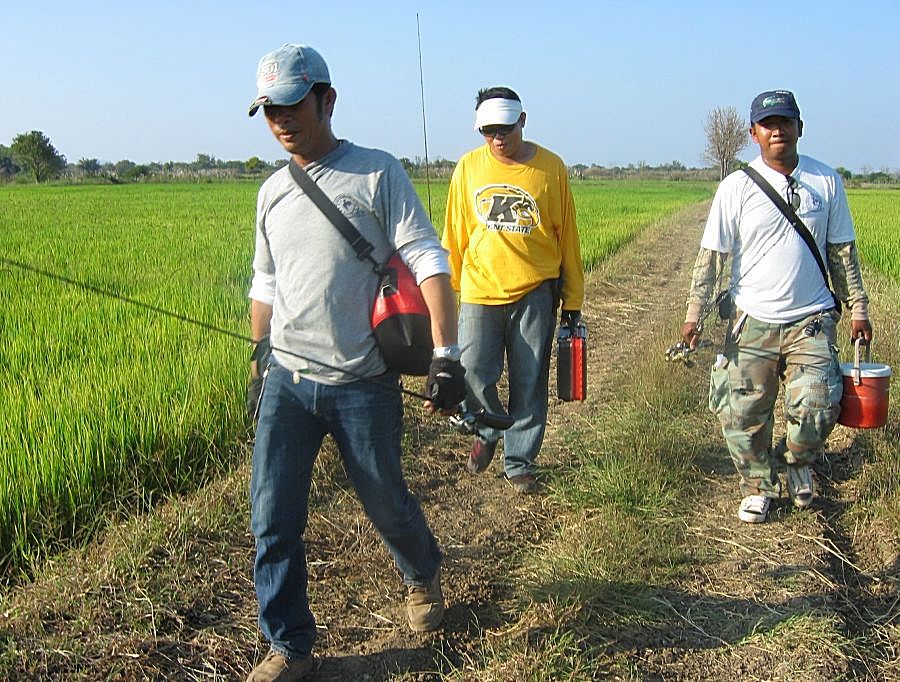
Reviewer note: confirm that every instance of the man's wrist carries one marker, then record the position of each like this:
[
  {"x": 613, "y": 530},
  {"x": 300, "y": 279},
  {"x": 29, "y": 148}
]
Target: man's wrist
[{"x": 451, "y": 352}]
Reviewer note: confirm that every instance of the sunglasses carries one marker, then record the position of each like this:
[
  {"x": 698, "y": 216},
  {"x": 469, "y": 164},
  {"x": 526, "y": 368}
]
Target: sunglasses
[
  {"x": 793, "y": 195},
  {"x": 498, "y": 130}
]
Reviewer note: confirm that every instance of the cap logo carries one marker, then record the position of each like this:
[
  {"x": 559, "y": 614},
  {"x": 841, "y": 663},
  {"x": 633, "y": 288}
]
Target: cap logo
[
  {"x": 773, "y": 101},
  {"x": 268, "y": 72}
]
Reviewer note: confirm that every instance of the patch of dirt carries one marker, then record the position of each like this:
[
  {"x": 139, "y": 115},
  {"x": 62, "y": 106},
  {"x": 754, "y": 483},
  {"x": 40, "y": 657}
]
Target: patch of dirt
[{"x": 180, "y": 604}]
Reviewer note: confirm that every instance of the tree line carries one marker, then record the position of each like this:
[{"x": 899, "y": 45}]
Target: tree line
[{"x": 32, "y": 156}]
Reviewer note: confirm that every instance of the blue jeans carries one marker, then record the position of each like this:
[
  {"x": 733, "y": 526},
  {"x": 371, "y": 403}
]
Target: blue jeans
[
  {"x": 366, "y": 422},
  {"x": 523, "y": 332}
]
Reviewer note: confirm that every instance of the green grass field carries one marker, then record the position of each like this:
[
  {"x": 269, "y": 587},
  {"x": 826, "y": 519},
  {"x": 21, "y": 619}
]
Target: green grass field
[
  {"x": 110, "y": 406},
  {"x": 107, "y": 405},
  {"x": 876, "y": 215}
]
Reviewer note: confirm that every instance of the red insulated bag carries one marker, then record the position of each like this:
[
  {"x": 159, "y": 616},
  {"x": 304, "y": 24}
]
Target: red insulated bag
[{"x": 400, "y": 320}]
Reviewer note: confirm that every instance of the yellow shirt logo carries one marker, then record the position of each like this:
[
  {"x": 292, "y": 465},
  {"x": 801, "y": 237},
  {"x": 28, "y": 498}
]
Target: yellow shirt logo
[{"x": 507, "y": 208}]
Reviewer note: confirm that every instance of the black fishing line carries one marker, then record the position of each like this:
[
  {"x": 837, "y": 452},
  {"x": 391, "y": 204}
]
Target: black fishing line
[{"x": 199, "y": 323}]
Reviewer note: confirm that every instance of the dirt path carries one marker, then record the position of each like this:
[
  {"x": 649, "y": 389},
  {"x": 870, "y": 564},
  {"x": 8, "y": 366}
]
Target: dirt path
[{"x": 171, "y": 597}]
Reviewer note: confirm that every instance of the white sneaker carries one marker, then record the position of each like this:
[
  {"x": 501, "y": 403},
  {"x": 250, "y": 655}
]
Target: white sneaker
[
  {"x": 801, "y": 486},
  {"x": 754, "y": 508}
]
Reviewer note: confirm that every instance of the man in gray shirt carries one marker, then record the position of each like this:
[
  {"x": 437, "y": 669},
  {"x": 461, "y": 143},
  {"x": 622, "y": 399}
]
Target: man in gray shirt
[{"x": 311, "y": 296}]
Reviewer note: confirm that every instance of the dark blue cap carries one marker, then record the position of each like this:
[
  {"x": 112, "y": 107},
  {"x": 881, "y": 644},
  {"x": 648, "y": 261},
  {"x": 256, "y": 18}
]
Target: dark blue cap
[{"x": 774, "y": 103}]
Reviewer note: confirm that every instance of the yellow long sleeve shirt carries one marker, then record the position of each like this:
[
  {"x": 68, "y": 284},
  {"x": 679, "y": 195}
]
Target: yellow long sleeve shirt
[{"x": 510, "y": 227}]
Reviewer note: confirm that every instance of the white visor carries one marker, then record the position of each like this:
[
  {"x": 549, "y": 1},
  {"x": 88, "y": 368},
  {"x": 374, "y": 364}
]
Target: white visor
[{"x": 497, "y": 112}]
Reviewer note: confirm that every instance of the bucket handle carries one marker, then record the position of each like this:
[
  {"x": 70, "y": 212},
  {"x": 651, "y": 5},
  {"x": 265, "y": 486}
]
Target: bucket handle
[{"x": 857, "y": 380}]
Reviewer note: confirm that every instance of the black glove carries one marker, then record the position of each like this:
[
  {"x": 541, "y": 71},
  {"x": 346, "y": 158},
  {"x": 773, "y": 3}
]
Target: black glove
[
  {"x": 445, "y": 383},
  {"x": 260, "y": 356},
  {"x": 570, "y": 318}
]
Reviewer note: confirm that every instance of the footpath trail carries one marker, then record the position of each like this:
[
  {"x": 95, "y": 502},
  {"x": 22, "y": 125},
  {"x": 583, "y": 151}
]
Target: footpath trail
[{"x": 170, "y": 596}]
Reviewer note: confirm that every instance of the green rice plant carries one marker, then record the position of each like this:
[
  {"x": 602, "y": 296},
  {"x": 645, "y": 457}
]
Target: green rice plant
[
  {"x": 876, "y": 215},
  {"x": 611, "y": 213},
  {"x": 434, "y": 197},
  {"x": 109, "y": 405}
]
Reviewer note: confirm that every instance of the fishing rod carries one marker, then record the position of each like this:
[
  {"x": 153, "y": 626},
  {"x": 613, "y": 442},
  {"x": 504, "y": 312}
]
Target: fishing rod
[
  {"x": 465, "y": 422},
  {"x": 424, "y": 126}
]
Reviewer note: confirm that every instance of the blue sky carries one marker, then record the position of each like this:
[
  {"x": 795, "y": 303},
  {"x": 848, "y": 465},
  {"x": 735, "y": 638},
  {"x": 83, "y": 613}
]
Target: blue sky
[{"x": 607, "y": 82}]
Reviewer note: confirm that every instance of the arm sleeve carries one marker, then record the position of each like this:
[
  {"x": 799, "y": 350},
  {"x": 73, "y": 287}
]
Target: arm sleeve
[
  {"x": 456, "y": 235},
  {"x": 846, "y": 278},
  {"x": 262, "y": 288},
  {"x": 707, "y": 269},
  {"x": 425, "y": 257},
  {"x": 571, "y": 268}
]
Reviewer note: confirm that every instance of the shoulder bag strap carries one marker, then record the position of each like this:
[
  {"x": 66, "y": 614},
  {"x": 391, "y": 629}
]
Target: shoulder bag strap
[
  {"x": 795, "y": 222},
  {"x": 361, "y": 246}
]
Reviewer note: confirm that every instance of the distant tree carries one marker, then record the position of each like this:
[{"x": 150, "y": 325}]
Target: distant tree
[
  {"x": 253, "y": 164},
  {"x": 89, "y": 166},
  {"x": 8, "y": 168},
  {"x": 844, "y": 173},
  {"x": 137, "y": 172},
  {"x": 726, "y": 135},
  {"x": 123, "y": 166},
  {"x": 204, "y": 162},
  {"x": 34, "y": 152}
]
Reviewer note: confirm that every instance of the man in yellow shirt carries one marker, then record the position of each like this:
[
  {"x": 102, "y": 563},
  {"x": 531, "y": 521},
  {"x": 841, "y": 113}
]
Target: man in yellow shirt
[{"x": 514, "y": 253}]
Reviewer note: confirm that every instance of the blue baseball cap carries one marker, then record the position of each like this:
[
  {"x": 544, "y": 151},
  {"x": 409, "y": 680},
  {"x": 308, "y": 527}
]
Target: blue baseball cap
[
  {"x": 285, "y": 76},
  {"x": 774, "y": 103}
]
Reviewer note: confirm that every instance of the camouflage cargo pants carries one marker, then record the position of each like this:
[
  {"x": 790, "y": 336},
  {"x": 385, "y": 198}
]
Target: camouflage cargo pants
[{"x": 744, "y": 386}]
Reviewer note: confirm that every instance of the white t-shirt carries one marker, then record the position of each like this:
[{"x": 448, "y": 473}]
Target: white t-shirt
[{"x": 774, "y": 277}]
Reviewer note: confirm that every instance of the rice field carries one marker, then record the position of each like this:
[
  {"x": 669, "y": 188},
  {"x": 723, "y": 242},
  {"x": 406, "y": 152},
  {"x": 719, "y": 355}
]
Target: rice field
[
  {"x": 109, "y": 406},
  {"x": 876, "y": 217}
]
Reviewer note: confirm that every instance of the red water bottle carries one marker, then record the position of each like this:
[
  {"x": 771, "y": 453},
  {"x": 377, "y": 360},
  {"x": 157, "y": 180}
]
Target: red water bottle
[{"x": 571, "y": 360}]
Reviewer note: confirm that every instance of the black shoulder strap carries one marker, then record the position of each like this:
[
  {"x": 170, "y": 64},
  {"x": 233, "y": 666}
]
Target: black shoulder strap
[
  {"x": 795, "y": 222},
  {"x": 361, "y": 246}
]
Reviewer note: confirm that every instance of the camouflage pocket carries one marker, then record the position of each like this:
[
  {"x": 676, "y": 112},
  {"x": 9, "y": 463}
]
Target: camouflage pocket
[{"x": 719, "y": 389}]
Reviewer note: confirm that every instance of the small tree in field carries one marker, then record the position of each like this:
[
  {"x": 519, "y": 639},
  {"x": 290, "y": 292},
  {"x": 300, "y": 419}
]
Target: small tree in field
[
  {"x": 726, "y": 135},
  {"x": 34, "y": 152}
]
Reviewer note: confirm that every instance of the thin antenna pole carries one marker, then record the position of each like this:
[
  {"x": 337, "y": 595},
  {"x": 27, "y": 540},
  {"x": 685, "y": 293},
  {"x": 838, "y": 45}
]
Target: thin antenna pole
[{"x": 424, "y": 126}]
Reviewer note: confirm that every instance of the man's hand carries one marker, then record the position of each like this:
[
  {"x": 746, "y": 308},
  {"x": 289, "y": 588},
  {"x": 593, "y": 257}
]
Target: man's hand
[
  {"x": 690, "y": 335},
  {"x": 445, "y": 385},
  {"x": 570, "y": 318},
  {"x": 259, "y": 360},
  {"x": 861, "y": 328}
]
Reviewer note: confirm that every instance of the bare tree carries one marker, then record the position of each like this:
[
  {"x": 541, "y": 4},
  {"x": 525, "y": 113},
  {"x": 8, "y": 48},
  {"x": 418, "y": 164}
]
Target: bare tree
[{"x": 726, "y": 135}]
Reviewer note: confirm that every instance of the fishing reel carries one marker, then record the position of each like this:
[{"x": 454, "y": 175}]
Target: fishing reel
[
  {"x": 467, "y": 422},
  {"x": 681, "y": 351}
]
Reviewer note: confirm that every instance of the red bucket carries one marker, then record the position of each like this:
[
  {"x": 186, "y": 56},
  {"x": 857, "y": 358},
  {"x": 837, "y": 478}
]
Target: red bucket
[{"x": 865, "y": 401}]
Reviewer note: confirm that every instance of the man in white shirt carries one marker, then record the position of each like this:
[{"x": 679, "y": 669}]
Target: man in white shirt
[{"x": 783, "y": 313}]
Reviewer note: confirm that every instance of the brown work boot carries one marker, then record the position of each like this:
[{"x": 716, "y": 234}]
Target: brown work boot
[
  {"x": 524, "y": 483},
  {"x": 425, "y": 605},
  {"x": 276, "y": 667},
  {"x": 481, "y": 455}
]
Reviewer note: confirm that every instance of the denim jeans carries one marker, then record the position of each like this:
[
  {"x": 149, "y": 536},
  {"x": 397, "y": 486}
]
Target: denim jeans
[
  {"x": 366, "y": 422},
  {"x": 523, "y": 332}
]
